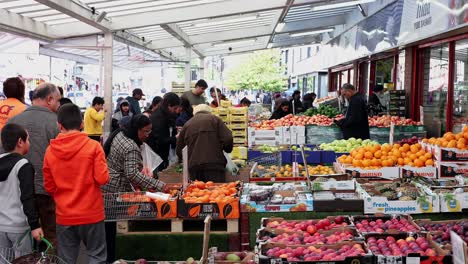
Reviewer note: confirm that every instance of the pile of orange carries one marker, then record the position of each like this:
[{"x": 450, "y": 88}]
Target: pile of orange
[
  {"x": 209, "y": 192},
  {"x": 377, "y": 156},
  {"x": 451, "y": 140}
]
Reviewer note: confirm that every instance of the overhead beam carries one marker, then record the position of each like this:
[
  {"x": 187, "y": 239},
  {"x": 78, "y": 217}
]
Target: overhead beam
[
  {"x": 280, "y": 19},
  {"x": 170, "y": 16},
  {"x": 295, "y": 41},
  {"x": 179, "y": 34},
  {"x": 67, "y": 56},
  {"x": 132, "y": 40},
  {"x": 236, "y": 50},
  {"x": 313, "y": 23},
  {"x": 83, "y": 14},
  {"x": 24, "y": 26}
]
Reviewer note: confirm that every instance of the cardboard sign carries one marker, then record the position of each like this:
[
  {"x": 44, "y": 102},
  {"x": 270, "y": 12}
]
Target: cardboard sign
[{"x": 458, "y": 248}]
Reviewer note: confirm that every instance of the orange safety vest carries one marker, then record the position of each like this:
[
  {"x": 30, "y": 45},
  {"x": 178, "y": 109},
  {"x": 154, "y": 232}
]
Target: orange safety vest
[{"x": 9, "y": 108}]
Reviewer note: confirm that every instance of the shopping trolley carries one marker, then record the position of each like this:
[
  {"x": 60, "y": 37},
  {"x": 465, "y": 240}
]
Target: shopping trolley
[{"x": 14, "y": 256}]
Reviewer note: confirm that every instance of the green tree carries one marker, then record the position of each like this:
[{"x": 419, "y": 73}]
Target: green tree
[{"x": 262, "y": 71}]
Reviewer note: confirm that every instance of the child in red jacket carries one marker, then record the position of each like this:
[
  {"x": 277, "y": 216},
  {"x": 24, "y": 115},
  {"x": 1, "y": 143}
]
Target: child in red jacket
[{"x": 74, "y": 170}]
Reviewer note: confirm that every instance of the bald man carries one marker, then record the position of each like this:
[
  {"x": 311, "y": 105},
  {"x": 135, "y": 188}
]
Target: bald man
[{"x": 41, "y": 122}]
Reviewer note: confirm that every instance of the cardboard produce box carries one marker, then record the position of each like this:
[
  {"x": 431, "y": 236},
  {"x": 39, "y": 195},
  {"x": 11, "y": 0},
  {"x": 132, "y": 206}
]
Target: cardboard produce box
[
  {"x": 410, "y": 172},
  {"x": 385, "y": 173},
  {"x": 449, "y": 154},
  {"x": 451, "y": 169},
  {"x": 427, "y": 203}
]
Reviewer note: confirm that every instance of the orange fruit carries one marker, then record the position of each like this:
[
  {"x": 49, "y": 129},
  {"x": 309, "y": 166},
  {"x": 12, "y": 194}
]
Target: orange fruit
[
  {"x": 366, "y": 163},
  {"x": 357, "y": 163},
  {"x": 460, "y": 145},
  {"x": 374, "y": 162},
  {"x": 444, "y": 144},
  {"x": 396, "y": 153},
  {"x": 418, "y": 145},
  {"x": 425, "y": 140},
  {"x": 428, "y": 155},
  {"x": 422, "y": 158},
  {"x": 378, "y": 154},
  {"x": 401, "y": 161},
  {"x": 407, "y": 161},
  {"x": 419, "y": 163},
  {"x": 465, "y": 129},
  {"x": 452, "y": 144},
  {"x": 414, "y": 149},
  {"x": 348, "y": 160},
  {"x": 359, "y": 156},
  {"x": 429, "y": 162},
  {"x": 368, "y": 155},
  {"x": 413, "y": 157},
  {"x": 458, "y": 136},
  {"x": 465, "y": 135},
  {"x": 384, "y": 163}
]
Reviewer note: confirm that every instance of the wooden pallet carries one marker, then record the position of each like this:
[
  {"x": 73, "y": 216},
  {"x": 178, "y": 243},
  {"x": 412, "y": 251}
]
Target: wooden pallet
[{"x": 176, "y": 225}]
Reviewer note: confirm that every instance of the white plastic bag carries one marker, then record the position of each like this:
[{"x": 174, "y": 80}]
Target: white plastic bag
[
  {"x": 173, "y": 157},
  {"x": 230, "y": 166},
  {"x": 151, "y": 160}
]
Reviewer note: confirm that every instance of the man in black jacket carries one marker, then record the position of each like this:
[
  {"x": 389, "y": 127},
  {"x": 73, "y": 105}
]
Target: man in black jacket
[{"x": 355, "y": 124}]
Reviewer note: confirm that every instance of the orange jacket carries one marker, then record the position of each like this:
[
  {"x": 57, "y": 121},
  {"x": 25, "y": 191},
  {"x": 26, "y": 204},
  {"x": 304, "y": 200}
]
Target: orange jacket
[
  {"x": 74, "y": 170},
  {"x": 9, "y": 108}
]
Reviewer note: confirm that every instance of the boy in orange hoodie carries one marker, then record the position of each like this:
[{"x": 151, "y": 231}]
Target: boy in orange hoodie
[{"x": 74, "y": 170}]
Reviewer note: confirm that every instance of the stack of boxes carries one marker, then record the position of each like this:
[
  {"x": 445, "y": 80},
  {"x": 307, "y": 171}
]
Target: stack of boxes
[
  {"x": 179, "y": 88},
  {"x": 236, "y": 119},
  {"x": 397, "y": 104},
  {"x": 238, "y": 123}
]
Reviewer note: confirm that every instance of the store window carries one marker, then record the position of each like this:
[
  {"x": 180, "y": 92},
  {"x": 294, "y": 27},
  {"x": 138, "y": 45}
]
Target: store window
[
  {"x": 351, "y": 76},
  {"x": 344, "y": 77},
  {"x": 364, "y": 78},
  {"x": 435, "y": 89},
  {"x": 384, "y": 72},
  {"x": 460, "y": 89}
]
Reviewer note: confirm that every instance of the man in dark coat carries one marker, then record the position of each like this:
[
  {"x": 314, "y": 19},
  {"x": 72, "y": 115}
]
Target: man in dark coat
[
  {"x": 206, "y": 137},
  {"x": 355, "y": 124}
]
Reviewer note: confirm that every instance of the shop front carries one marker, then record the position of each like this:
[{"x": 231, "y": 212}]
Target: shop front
[
  {"x": 441, "y": 78},
  {"x": 419, "y": 54}
]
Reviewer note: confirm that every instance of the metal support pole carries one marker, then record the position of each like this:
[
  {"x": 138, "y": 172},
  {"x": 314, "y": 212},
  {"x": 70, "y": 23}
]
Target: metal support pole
[
  {"x": 108, "y": 63},
  {"x": 101, "y": 72},
  {"x": 202, "y": 68},
  {"x": 188, "y": 52}
]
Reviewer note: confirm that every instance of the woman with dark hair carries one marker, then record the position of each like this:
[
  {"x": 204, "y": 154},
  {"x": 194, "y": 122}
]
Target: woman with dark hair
[
  {"x": 124, "y": 110},
  {"x": 282, "y": 109},
  {"x": 163, "y": 120},
  {"x": 125, "y": 164},
  {"x": 185, "y": 114},
  {"x": 155, "y": 103}
]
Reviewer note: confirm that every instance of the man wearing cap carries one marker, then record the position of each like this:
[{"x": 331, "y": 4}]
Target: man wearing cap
[
  {"x": 206, "y": 137},
  {"x": 195, "y": 96},
  {"x": 137, "y": 94}
]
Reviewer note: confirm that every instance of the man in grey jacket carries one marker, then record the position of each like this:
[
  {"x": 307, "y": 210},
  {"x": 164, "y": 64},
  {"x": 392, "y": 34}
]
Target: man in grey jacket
[{"x": 40, "y": 120}]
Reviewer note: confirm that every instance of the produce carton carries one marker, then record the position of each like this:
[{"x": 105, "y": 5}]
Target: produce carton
[
  {"x": 215, "y": 257},
  {"x": 226, "y": 104},
  {"x": 238, "y": 110},
  {"x": 449, "y": 154},
  {"x": 451, "y": 169},
  {"x": 454, "y": 201},
  {"x": 239, "y": 133},
  {"x": 333, "y": 182},
  {"x": 201, "y": 210},
  {"x": 262, "y": 248},
  {"x": 389, "y": 173},
  {"x": 237, "y": 118},
  {"x": 442, "y": 256},
  {"x": 384, "y": 217},
  {"x": 344, "y": 201},
  {"x": 265, "y": 235},
  {"x": 268, "y": 222},
  {"x": 378, "y": 204},
  {"x": 410, "y": 172},
  {"x": 303, "y": 203},
  {"x": 239, "y": 153},
  {"x": 128, "y": 206},
  {"x": 237, "y": 126}
]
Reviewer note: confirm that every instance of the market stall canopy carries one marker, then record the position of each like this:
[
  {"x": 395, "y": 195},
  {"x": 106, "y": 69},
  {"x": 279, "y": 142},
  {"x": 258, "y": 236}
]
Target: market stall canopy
[{"x": 168, "y": 27}]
